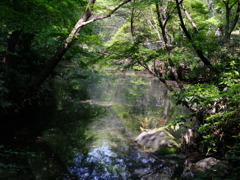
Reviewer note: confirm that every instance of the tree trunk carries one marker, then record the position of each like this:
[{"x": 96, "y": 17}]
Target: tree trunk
[
  {"x": 235, "y": 20},
  {"x": 198, "y": 51},
  {"x": 229, "y": 26},
  {"x": 63, "y": 48},
  {"x": 132, "y": 22},
  {"x": 165, "y": 39},
  {"x": 162, "y": 24},
  {"x": 10, "y": 58},
  {"x": 210, "y": 8}
]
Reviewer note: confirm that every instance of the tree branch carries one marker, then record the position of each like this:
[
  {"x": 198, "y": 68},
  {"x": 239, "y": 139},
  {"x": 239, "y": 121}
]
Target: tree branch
[
  {"x": 105, "y": 16},
  {"x": 233, "y": 4},
  {"x": 169, "y": 14},
  {"x": 151, "y": 24},
  {"x": 225, "y": 2},
  {"x": 48, "y": 69},
  {"x": 190, "y": 19}
]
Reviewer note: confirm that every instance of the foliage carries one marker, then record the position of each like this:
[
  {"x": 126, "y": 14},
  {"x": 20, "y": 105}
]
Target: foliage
[
  {"x": 41, "y": 26},
  {"x": 3, "y": 92},
  {"x": 212, "y": 92},
  {"x": 219, "y": 103},
  {"x": 32, "y": 30},
  {"x": 9, "y": 168}
]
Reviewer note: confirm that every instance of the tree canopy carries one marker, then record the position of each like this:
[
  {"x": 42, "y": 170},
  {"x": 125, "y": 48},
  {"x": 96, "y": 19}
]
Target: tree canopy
[{"x": 194, "y": 43}]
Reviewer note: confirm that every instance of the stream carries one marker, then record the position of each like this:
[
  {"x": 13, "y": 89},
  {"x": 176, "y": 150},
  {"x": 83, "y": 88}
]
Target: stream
[{"x": 87, "y": 131}]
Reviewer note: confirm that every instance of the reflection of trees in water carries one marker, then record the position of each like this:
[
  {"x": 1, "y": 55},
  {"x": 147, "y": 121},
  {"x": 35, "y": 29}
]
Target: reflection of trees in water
[
  {"x": 68, "y": 128},
  {"x": 140, "y": 98},
  {"x": 131, "y": 98},
  {"x": 103, "y": 163}
]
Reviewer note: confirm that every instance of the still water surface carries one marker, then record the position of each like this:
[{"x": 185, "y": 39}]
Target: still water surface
[{"x": 91, "y": 129}]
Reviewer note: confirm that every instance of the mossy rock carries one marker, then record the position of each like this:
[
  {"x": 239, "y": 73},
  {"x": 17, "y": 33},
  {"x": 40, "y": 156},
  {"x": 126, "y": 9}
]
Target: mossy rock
[
  {"x": 158, "y": 140},
  {"x": 167, "y": 150}
]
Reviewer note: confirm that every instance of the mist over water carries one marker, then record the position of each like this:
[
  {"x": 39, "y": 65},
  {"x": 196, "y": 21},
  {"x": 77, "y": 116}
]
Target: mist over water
[
  {"x": 128, "y": 100},
  {"x": 89, "y": 131}
]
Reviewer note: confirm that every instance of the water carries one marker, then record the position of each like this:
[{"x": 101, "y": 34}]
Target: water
[{"x": 89, "y": 131}]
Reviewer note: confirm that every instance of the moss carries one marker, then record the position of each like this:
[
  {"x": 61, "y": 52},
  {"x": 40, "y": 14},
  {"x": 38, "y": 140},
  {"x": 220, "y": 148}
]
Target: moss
[{"x": 167, "y": 150}]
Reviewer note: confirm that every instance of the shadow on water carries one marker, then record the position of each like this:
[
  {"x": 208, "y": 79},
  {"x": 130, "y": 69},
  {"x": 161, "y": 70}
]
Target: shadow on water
[{"x": 87, "y": 132}]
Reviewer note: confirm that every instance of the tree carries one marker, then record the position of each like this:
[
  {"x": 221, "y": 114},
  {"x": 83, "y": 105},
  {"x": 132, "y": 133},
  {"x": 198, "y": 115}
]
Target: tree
[
  {"x": 67, "y": 43},
  {"x": 230, "y": 22},
  {"x": 188, "y": 35}
]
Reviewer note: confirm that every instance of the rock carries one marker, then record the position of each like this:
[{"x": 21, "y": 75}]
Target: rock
[
  {"x": 204, "y": 164},
  {"x": 158, "y": 140}
]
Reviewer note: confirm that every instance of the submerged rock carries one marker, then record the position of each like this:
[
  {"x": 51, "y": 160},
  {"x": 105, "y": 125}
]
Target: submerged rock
[{"x": 158, "y": 140}]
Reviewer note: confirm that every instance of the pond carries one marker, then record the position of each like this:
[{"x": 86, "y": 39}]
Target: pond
[{"x": 87, "y": 131}]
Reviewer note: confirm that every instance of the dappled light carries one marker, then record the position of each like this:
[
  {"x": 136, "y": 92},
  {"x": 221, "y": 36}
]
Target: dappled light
[{"x": 126, "y": 89}]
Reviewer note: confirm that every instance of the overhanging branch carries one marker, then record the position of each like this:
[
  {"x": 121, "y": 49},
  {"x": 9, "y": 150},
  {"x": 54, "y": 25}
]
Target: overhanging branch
[
  {"x": 62, "y": 49},
  {"x": 104, "y": 16}
]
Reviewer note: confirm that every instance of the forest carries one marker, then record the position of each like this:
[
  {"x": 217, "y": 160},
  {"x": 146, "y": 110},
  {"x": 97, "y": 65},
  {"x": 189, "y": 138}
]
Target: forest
[{"x": 73, "y": 72}]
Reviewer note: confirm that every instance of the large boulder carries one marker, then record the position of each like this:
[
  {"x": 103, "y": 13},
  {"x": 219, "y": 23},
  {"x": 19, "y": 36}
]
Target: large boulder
[{"x": 158, "y": 140}]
